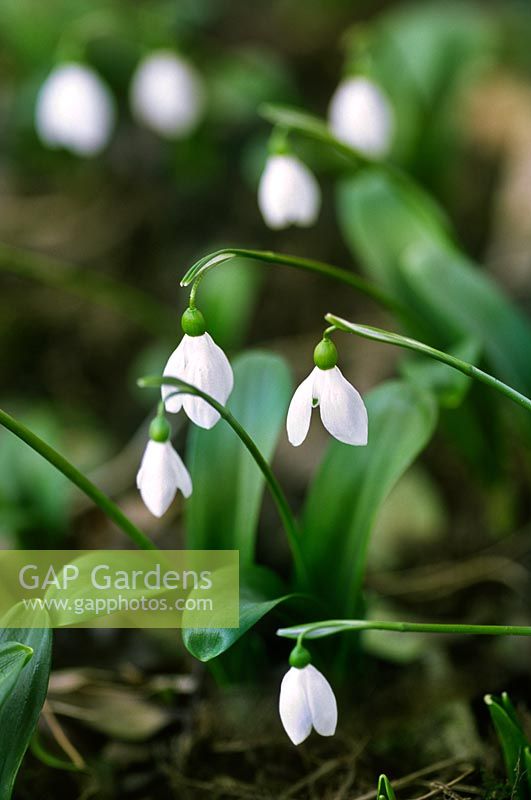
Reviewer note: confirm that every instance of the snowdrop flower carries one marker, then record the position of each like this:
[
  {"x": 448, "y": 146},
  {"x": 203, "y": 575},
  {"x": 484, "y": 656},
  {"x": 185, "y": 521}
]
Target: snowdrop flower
[
  {"x": 343, "y": 412},
  {"x": 167, "y": 95},
  {"x": 306, "y": 699},
  {"x": 75, "y": 110},
  {"x": 288, "y": 193},
  {"x": 162, "y": 471},
  {"x": 361, "y": 116},
  {"x": 199, "y": 361}
]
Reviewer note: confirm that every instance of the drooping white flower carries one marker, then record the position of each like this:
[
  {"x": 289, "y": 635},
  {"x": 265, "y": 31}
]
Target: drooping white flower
[
  {"x": 167, "y": 94},
  {"x": 288, "y": 193},
  {"x": 343, "y": 411},
  {"x": 161, "y": 474},
  {"x": 361, "y": 115},
  {"x": 307, "y": 701},
  {"x": 199, "y": 361},
  {"x": 75, "y": 110}
]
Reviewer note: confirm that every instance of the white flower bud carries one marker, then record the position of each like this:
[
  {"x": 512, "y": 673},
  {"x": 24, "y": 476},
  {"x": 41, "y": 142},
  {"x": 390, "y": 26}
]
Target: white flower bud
[
  {"x": 361, "y": 115},
  {"x": 75, "y": 110},
  {"x": 288, "y": 193},
  {"x": 167, "y": 95}
]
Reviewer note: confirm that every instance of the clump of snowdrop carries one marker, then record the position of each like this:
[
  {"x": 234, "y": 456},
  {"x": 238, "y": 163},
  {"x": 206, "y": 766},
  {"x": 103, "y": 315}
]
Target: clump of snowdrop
[
  {"x": 162, "y": 472},
  {"x": 200, "y": 362},
  {"x": 343, "y": 411},
  {"x": 288, "y": 193},
  {"x": 361, "y": 115},
  {"x": 75, "y": 110},
  {"x": 167, "y": 94},
  {"x": 306, "y": 699}
]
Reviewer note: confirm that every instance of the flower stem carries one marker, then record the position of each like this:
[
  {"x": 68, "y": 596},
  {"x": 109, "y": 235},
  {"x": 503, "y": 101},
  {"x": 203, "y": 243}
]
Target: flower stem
[
  {"x": 379, "y": 335},
  {"x": 76, "y": 477},
  {"x": 329, "y": 627},
  {"x": 208, "y": 262},
  {"x": 283, "y": 507}
]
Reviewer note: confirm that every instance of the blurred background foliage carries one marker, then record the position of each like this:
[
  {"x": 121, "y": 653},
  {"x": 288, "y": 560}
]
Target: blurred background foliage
[
  {"x": 93, "y": 250},
  {"x": 143, "y": 210}
]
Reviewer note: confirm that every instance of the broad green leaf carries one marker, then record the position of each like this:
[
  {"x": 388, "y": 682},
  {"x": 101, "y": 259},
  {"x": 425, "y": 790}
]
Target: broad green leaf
[
  {"x": 421, "y": 53},
  {"x": 228, "y": 321},
  {"x": 351, "y": 485},
  {"x": 223, "y": 510},
  {"x": 512, "y": 741},
  {"x": 20, "y": 712},
  {"x": 402, "y": 241},
  {"x": 260, "y": 592},
  {"x": 13, "y": 657},
  {"x": 447, "y": 384}
]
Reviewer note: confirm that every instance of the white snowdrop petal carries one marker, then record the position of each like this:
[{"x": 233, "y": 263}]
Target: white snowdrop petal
[
  {"x": 182, "y": 477},
  {"x": 343, "y": 411},
  {"x": 75, "y": 110},
  {"x": 288, "y": 193},
  {"x": 220, "y": 381},
  {"x": 175, "y": 368},
  {"x": 200, "y": 412},
  {"x": 300, "y": 411},
  {"x": 156, "y": 477},
  {"x": 167, "y": 94},
  {"x": 321, "y": 701},
  {"x": 361, "y": 115},
  {"x": 208, "y": 368},
  {"x": 293, "y": 706}
]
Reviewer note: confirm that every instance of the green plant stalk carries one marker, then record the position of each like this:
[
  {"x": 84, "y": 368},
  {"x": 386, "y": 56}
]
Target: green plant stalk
[
  {"x": 297, "y": 121},
  {"x": 205, "y": 264},
  {"x": 333, "y": 626},
  {"x": 132, "y": 303},
  {"x": 50, "y": 760},
  {"x": 379, "y": 335},
  {"x": 288, "y": 520},
  {"x": 76, "y": 477}
]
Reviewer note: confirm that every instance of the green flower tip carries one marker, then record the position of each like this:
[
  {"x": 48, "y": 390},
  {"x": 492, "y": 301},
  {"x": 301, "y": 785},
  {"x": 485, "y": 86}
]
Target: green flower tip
[
  {"x": 325, "y": 354},
  {"x": 193, "y": 322},
  {"x": 278, "y": 144},
  {"x": 159, "y": 430},
  {"x": 299, "y": 657}
]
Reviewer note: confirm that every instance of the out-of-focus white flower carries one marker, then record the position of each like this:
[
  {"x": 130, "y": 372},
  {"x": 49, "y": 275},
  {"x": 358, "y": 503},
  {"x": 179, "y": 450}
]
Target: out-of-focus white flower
[
  {"x": 361, "y": 115},
  {"x": 199, "y": 361},
  {"x": 167, "y": 94},
  {"x": 307, "y": 701},
  {"x": 75, "y": 110},
  {"x": 161, "y": 474},
  {"x": 288, "y": 193}
]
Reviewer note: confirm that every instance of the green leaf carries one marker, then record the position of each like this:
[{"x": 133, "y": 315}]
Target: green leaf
[
  {"x": 512, "y": 741},
  {"x": 21, "y": 710},
  {"x": 447, "y": 384},
  {"x": 385, "y": 790},
  {"x": 260, "y": 592},
  {"x": 223, "y": 510},
  {"x": 353, "y": 482},
  {"x": 402, "y": 240},
  {"x": 13, "y": 657},
  {"x": 228, "y": 321},
  {"x": 351, "y": 485}
]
